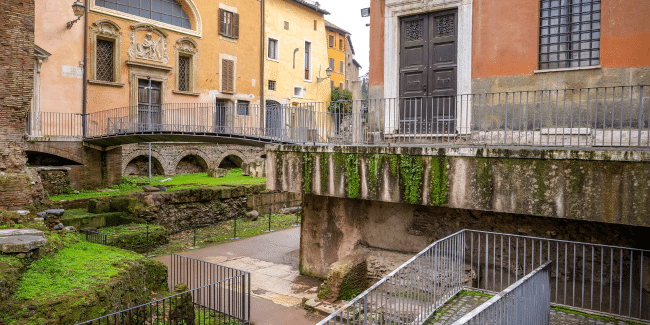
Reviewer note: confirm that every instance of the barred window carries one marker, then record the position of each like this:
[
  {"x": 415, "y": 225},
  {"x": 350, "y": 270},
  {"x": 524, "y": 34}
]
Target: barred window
[
  {"x": 184, "y": 73},
  {"x": 569, "y": 34},
  {"x": 271, "y": 84},
  {"x": 242, "y": 107},
  {"x": 105, "y": 60},
  {"x": 166, "y": 11}
]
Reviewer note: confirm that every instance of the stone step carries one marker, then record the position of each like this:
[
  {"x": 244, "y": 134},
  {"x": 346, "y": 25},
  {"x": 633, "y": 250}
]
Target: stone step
[
  {"x": 20, "y": 232},
  {"x": 21, "y": 244}
]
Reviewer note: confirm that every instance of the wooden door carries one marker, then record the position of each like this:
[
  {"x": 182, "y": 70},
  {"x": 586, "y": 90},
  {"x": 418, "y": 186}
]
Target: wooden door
[
  {"x": 428, "y": 73},
  {"x": 149, "y": 105}
]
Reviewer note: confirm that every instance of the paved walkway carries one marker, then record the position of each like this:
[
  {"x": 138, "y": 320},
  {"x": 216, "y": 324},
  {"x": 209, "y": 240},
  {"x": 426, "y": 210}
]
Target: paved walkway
[{"x": 276, "y": 285}]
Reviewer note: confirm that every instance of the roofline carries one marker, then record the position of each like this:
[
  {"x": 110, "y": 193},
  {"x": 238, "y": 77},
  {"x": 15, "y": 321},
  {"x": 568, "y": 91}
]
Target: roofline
[
  {"x": 356, "y": 63},
  {"x": 336, "y": 28},
  {"x": 311, "y": 6},
  {"x": 350, "y": 41}
]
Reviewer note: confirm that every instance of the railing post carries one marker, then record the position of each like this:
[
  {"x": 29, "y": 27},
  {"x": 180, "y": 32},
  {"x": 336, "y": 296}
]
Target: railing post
[
  {"x": 235, "y": 231},
  {"x": 269, "y": 215}
]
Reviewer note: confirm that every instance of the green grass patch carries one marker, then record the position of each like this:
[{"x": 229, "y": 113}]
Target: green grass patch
[
  {"x": 568, "y": 310},
  {"x": 75, "y": 268},
  {"x": 134, "y": 184}
]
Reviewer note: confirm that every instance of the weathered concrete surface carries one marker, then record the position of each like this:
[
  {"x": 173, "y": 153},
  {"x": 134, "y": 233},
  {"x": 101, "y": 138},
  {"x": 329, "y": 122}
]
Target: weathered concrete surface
[
  {"x": 610, "y": 186},
  {"x": 21, "y": 240}
]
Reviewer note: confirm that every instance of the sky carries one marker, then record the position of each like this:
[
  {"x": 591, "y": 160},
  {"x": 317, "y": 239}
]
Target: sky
[{"x": 347, "y": 15}]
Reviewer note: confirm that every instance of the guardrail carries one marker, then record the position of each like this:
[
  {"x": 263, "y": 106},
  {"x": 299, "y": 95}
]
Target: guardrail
[
  {"x": 527, "y": 301},
  {"x": 216, "y": 295},
  {"x": 589, "y": 277}
]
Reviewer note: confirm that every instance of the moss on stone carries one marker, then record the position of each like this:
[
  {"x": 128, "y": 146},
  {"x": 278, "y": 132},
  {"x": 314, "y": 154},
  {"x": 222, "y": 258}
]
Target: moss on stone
[
  {"x": 324, "y": 157},
  {"x": 438, "y": 181},
  {"x": 352, "y": 173},
  {"x": 374, "y": 162},
  {"x": 541, "y": 169},
  {"x": 411, "y": 180},
  {"x": 484, "y": 184},
  {"x": 307, "y": 164}
]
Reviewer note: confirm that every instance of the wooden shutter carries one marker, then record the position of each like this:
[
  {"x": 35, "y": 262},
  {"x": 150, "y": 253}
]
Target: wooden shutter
[
  {"x": 235, "y": 25},
  {"x": 228, "y": 76},
  {"x": 222, "y": 29}
]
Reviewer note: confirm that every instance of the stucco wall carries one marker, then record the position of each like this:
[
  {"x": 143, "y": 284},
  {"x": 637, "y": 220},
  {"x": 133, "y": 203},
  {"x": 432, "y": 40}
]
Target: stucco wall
[
  {"x": 284, "y": 72},
  {"x": 333, "y": 52},
  {"x": 594, "y": 185}
]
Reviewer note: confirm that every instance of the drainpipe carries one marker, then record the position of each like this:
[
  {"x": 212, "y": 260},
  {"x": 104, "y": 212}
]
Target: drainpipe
[
  {"x": 262, "y": 103},
  {"x": 85, "y": 79}
]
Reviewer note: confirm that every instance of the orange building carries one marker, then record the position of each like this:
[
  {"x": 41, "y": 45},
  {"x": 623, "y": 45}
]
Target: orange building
[{"x": 336, "y": 47}]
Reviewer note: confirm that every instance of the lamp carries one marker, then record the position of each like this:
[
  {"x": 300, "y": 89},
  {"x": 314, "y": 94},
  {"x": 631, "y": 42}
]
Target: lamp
[
  {"x": 328, "y": 71},
  {"x": 79, "y": 10}
]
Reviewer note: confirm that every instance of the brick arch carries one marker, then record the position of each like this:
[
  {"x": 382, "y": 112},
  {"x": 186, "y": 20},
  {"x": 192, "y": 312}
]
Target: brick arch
[
  {"x": 244, "y": 157},
  {"x": 73, "y": 155},
  {"x": 192, "y": 152},
  {"x": 163, "y": 162}
]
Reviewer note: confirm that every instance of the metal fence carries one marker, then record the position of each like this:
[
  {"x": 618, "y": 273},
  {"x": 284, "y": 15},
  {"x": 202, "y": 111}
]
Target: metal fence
[
  {"x": 527, "y": 301},
  {"x": 413, "y": 291},
  {"x": 54, "y": 124},
  {"x": 216, "y": 295},
  {"x": 96, "y": 237},
  {"x": 584, "y": 276}
]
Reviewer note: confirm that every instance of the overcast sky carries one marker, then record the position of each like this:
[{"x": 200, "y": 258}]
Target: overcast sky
[{"x": 347, "y": 15}]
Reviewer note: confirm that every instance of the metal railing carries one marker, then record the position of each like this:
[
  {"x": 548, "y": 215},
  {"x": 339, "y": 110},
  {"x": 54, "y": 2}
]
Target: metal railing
[
  {"x": 216, "y": 295},
  {"x": 590, "y": 277},
  {"x": 527, "y": 301},
  {"x": 96, "y": 237},
  {"x": 412, "y": 292},
  {"x": 603, "y": 116}
]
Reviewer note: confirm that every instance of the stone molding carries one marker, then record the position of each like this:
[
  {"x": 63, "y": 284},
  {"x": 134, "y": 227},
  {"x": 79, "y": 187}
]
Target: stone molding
[
  {"x": 149, "y": 48},
  {"x": 188, "y": 47},
  {"x": 108, "y": 30}
]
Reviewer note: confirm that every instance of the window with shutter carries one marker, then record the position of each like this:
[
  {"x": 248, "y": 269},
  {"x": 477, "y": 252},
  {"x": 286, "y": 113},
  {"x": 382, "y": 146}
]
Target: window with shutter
[
  {"x": 228, "y": 23},
  {"x": 332, "y": 64},
  {"x": 340, "y": 44},
  {"x": 228, "y": 76},
  {"x": 331, "y": 41}
]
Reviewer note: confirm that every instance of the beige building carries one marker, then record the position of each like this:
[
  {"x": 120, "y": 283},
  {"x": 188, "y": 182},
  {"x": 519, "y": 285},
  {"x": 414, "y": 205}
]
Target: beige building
[{"x": 352, "y": 67}]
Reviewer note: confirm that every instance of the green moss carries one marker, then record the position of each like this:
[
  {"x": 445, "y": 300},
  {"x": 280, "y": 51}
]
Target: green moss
[
  {"x": 307, "y": 181},
  {"x": 374, "y": 162},
  {"x": 324, "y": 158},
  {"x": 352, "y": 171},
  {"x": 411, "y": 180},
  {"x": 484, "y": 183},
  {"x": 541, "y": 170},
  {"x": 392, "y": 161},
  {"x": 339, "y": 164},
  {"x": 438, "y": 182}
]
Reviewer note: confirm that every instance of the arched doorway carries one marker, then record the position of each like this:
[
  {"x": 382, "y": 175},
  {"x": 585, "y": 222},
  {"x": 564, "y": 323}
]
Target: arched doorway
[
  {"x": 231, "y": 162},
  {"x": 139, "y": 166},
  {"x": 191, "y": 164}
]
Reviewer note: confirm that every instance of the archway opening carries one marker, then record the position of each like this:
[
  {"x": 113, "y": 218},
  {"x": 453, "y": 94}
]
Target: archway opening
[
  {"x": 191, "y": 164},
  {"x": 40, "y": 159},
  {"x": 231, "y": 162},
  {"x": 139, "y": 166}
]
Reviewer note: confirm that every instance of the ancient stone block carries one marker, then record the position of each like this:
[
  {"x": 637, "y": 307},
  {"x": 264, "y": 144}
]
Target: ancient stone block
[
  {"x": 346, "y": 279},
  {"x": 217, "y": 172},
  {"x": 181, "y": 310}
]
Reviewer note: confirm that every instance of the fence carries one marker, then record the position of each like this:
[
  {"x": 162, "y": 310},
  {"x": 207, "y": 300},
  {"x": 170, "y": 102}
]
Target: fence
[
  {"x": 590, "y": 277},
  {"x": 53, "y": 124},
  {"x": 95, "y": 237},
  {"x": 527, "y": 301},
  {"x": 217, "y": 295}
]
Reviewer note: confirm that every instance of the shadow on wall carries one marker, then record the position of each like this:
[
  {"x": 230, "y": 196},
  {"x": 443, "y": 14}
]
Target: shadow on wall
[
  {"x": 139, "y": 166},
  {"x": 231, "y": 162},
  {"x": 35, "y": 158},
  {"x": 191, "y": 164}
]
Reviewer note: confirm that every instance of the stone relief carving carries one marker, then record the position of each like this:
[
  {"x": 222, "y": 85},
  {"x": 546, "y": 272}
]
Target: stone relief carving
[
  {"x": 186, "y": 45},
  {"x": 150, "y": 48},
  {"x": 106, "y": 27}
]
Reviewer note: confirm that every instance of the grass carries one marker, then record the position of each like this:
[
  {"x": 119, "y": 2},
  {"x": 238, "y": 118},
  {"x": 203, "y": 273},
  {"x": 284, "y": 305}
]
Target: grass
[
  {"x": 133, "y": 184},
  {"x": 221, "y": 233},
  {"x": 75, "y": 268}
]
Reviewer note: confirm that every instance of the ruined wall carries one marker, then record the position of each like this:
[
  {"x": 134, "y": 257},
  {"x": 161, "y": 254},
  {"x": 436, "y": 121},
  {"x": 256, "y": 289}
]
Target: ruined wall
[
  {"x": 593, "y": 185},
  {"x": 16, "y": 90}
]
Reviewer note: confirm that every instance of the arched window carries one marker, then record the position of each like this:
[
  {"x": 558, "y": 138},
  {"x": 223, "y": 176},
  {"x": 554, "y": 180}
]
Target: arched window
[{"x": 166, "y": 11}]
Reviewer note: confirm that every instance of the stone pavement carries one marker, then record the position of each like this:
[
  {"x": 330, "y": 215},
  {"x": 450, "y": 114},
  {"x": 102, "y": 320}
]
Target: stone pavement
[{"x": 277, "y": 288}]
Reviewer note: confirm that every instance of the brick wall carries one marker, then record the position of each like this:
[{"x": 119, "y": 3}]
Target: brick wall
[{"x": 16, "y": 88}]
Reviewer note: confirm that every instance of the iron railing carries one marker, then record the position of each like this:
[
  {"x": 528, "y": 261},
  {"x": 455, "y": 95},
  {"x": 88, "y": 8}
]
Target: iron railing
[
  {"x": 603, "y": 116},
  {"x": 96, "y": 237},
  {"x": 590, "y": 277},
  {"x": 216, "y": 295},
  {"x": 527, "y": 301}
]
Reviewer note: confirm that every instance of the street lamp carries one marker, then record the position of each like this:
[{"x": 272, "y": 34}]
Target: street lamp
[
  {"x": 79, "y": 9},
  {"x": 328, "y": 71}
]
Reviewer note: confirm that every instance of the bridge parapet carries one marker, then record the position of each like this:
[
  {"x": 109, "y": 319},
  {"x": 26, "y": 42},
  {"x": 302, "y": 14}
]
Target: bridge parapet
[{"x": 604, "y": 185}]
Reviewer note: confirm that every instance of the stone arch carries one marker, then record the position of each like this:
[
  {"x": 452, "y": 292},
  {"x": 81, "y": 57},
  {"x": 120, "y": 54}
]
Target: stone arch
[
  {"x": 139, "y": 166},
  {"x": 193, "y": 152},
  {"x": 75, "y": 154},
  {"x": 230, "y": 152},
  {"x": 39, "y": 158},
  {"x": 154, "y": 155}
]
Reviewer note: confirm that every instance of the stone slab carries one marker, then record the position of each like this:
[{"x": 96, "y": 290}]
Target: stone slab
[
  {"x": 21, "y": 244},
  {"x": 20, "y": 232}
]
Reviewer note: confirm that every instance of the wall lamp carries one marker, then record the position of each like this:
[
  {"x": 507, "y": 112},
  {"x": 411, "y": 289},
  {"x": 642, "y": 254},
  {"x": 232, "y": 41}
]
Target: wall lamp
[
  {"x": 79, "y": 9},
  {"x": 328, "y": 71}
]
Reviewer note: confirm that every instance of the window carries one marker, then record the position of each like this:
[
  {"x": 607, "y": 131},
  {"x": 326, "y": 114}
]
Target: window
[
  {"x": 340, "y": 85},
  {"x": 286, "y": 25},
  {"x": 271, "y": 84},
  {"x": 297, "y": 91},
  {"x": 315, "y": 25},
  {"x": 307, "y": 61},
  {"x": 166, "y": 11},
  {"x": 340, "y": 44},
  {"x": 105, "y": 60},
  {"x": 184, "y": 67},
  {"x": 331, "y": 41},
  {"x": 331, "y": 84},
  {"x": 272, "y": 52},
  {"x": 228, "y": 23},
  {"x": 569, "y": 34},
  {"x": 242, "y": 107},
  {"x": 341, "y": 66},
  {"x": 332, "y": 64},
  {"x": 228, "y": 76}
]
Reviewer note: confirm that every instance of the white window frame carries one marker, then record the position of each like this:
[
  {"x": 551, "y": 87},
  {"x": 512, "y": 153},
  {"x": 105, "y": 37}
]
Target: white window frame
[
  {"x": 311, "y": 57},
  {"x": 302, "y": 91},
  {"x": 277, "y": 48}
]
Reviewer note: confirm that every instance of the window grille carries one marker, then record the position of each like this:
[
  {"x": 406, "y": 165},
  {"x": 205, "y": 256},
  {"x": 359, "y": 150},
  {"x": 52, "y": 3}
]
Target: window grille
[
  {"x": 228, "y": 76},
  {"x": 105, "y": 61},
  {"x": 569, "y": 34},
  {"x": 183, "y": 73},
  {"x": 228, "y": 23},
  {"x": 166, "y": 11},
  {"x": 242, "y": 107},
  {"x": 271, "y": 84}
]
